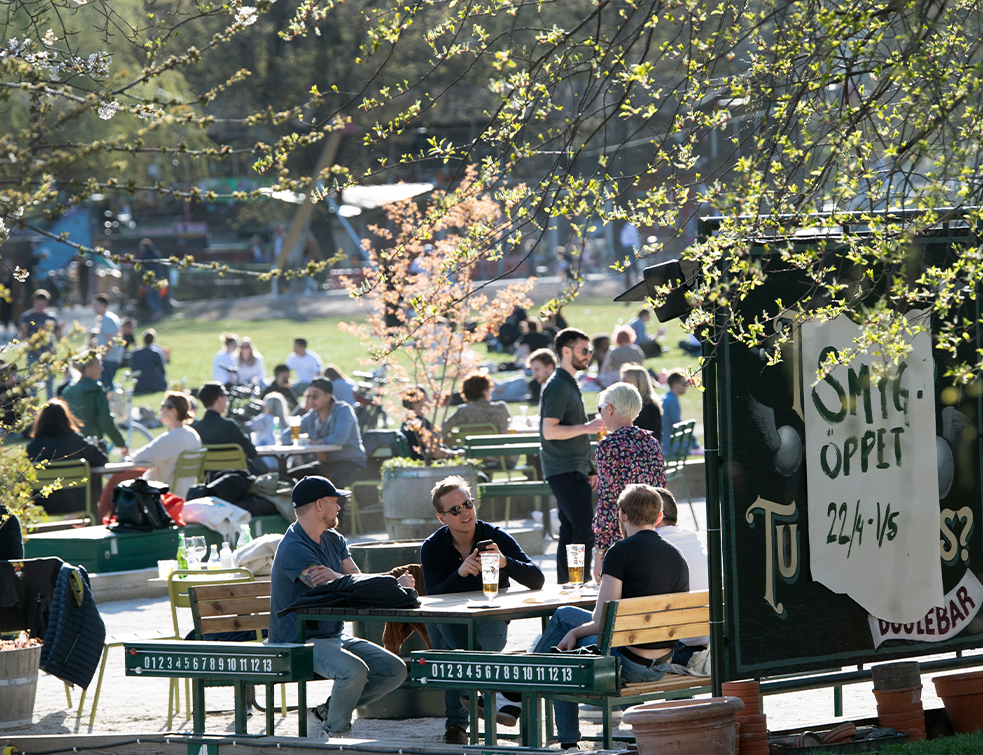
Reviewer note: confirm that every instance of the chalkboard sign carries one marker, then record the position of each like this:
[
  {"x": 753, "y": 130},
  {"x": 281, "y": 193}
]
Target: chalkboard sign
[{"x": 851, "y": 506}]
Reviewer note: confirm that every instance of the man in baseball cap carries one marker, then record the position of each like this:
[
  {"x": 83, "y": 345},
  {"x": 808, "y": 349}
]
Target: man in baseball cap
[{"x": 313, "y": 553}]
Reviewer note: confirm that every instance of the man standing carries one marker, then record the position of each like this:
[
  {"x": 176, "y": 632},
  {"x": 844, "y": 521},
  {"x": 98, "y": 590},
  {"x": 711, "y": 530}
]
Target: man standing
[
  {"x": 695, "y": 552},
  {"x": 642, "y": 564},
  {"x": 333, "y": 423},
  {"x": 452, "y": 563},
  {"x": 87, "y": 400},
  {"x": 108, "y": 329},
  {"x": 34, "y": 320},
  {"x": 305, "y": 363},
  {"x": 564, "y": 435},
  {"x": 214, "y": 428},
  {"x": 313, "y": 553}
]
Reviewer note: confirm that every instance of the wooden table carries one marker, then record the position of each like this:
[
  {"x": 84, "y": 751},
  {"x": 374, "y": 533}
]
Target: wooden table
[
  {"x": 282, "y": 452},
  {"x": 470, "y": 608}
]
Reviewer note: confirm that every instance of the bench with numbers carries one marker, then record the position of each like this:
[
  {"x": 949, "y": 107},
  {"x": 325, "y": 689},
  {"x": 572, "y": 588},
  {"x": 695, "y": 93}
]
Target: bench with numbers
[
  {"x": 243, "y": 606},
  {"x": 591, "y": 679}
]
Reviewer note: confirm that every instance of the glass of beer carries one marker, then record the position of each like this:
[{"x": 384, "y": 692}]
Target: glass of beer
[
  {"x": 575, "y": 565},
  {"x": 294, "y": 423},
  {"x": 489, "y": 575}
]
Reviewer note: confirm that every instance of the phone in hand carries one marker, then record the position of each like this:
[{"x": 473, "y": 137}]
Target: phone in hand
[{"x": 484, "y": 545}]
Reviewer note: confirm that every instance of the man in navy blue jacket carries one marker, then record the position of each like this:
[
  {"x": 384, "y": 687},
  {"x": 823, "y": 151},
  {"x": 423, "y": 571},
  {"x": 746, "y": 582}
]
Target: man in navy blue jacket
[{"x": 451, "y": 563}]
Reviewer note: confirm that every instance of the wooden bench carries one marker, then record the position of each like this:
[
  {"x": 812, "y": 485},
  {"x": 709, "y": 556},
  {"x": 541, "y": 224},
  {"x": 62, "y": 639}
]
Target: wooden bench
[
  {"x": 575, "y": 678},
  {"x": 243, "y": 606}
]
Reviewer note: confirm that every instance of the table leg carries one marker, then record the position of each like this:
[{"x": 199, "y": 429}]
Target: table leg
[
  {"x": 302, "y": 709},
  {"x": 270, "y": 705},
  {"x": 282, "y": 467},
  {"x": 198, "y": 706},
  {"x": 491, "y": 722},
  {"x": 473, "y": 697},
  {"x": 240, "y": 697}
]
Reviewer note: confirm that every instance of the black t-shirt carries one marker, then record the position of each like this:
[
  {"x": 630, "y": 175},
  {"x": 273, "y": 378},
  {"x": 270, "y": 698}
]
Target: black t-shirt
[
  {"x": 647, "y": 565},
  {"x": 536, "y": 341}
]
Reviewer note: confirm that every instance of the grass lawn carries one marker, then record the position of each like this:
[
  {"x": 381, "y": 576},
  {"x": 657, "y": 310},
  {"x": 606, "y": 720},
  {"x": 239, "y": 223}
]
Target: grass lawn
[
  {"x": 194, "y": 342},
  {"x": 960, "y": 744}
]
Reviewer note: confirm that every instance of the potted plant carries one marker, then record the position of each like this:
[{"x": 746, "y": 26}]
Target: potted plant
[
  {"x": 19, "y": 662},
  {"x": 424, "y": 315}
]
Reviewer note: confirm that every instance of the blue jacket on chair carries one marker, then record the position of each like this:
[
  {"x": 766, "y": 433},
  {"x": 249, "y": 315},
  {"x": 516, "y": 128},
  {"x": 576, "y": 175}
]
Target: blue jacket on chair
[{"x": 76, "y": 634}]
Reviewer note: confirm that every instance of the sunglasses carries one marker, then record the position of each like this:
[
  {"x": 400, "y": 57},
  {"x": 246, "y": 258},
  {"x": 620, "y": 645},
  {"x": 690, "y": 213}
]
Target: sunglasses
[
  {"x": 456, "y": 510},
  {"x": 585, "y": 351}
]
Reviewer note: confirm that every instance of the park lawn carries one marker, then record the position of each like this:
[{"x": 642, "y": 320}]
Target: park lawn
[
  {"x": 959, "y": 744},
  {"x": 194, "y": 342}
]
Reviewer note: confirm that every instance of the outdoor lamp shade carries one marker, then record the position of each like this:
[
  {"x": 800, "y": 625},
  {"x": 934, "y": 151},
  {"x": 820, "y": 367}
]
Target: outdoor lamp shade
[{"x": 667, "y": 273}]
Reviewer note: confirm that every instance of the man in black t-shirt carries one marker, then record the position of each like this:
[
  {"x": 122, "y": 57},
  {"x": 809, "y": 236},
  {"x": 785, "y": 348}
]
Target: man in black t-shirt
[{"x": 642, "y": 564}]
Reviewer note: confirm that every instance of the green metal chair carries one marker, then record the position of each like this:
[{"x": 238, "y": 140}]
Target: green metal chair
[
  {"x": 680, "y": 442},
  {"x": 223, "y": 456},
  {"x": 178, "y": 584},
  {"x": 189, "y": 465},
  {"x": 70, "y": 474},
  {"x": 459, "y": 437}
]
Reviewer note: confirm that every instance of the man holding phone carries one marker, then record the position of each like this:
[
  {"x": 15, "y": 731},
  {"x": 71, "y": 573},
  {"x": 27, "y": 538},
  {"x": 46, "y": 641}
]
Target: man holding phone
[{"x": 452, "y": 563}]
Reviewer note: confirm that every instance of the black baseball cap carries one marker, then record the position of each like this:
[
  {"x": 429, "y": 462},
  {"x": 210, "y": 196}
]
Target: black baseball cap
[{"x": 313, "y": 487}]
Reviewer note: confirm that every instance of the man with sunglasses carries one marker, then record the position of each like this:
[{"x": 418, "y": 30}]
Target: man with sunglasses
[
  {"x": 564, "y": 435},
  {"x": 451, "y": 563}
]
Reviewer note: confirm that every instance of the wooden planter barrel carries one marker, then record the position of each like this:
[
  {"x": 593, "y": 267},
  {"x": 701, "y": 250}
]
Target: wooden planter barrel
[{"x": 18, "y": 686}]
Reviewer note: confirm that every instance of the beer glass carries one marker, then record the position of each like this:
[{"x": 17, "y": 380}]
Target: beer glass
[
  {"x": 489, "y": 575},
  {"x": 294, "y": 424},
  {"x": 575, "y": 565}
]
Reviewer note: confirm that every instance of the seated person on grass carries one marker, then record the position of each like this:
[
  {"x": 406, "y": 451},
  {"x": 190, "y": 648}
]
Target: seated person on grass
[
  {"x": 451, "y": 563},
  {"x": 640, "y": 565}
]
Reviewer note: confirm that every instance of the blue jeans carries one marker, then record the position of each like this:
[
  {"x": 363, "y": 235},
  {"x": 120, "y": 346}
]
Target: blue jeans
[
  {"x": 362, "y": 672},
  {"x": 566, "y": 713},
  {"x": 108, "y": 374},
  {"x": 491, "y": 638}
]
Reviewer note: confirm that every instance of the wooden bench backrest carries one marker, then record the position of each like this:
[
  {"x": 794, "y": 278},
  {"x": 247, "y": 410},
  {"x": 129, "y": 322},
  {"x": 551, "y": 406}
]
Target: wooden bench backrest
[
  {"x": 655, "y": 618},
  {"x": 243, "y": 606}
]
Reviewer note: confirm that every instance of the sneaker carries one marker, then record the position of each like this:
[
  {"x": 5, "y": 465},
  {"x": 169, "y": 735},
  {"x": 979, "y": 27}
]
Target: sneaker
[
  {"x": 456, "y": 735},
  {"x": 316, "y": 722},
  {"x": 568, "y": 746},
  {"x": 507, "y": 713},
  {"x": 597, "y": 712}
]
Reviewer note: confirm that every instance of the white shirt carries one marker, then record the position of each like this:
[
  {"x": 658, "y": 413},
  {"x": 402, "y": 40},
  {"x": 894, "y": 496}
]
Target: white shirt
[
  {"x": 161, "y": 454},
  {"x": 252, "y": 374},
  {"x": 694, "y": 551},
  {"x": 220, "y": 361},
  {"x": 108, "y": 330},
  {"x": 306, "y": 367}
]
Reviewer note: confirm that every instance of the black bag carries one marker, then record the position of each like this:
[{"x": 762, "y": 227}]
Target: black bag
[{"x": 137, "y": 507}]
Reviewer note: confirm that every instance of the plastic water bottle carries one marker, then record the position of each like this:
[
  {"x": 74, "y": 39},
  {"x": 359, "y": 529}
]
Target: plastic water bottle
[
  {"x": 277, "y": 438},
  {"x": 245, "y": 536},
  {"x": 182, "y": 553},
  {"x": 226, "y": 556},
  {"x": 214, "y": 560}
]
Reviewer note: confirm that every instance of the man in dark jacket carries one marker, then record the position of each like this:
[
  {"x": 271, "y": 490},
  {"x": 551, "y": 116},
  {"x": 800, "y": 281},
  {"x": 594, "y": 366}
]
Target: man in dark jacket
[
  {"x": 214, "y": 429},
  {"x": 149, "y": 362},
  {"x": 452, "y": 563}
]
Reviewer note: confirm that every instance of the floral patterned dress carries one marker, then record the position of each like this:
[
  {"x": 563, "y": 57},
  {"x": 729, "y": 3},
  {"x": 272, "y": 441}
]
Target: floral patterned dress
[{"x": 626, "y": 456}]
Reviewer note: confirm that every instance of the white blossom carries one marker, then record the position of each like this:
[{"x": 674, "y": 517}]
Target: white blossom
[
  {"x": 108, "y": 109},
  {"x": 247, "y": 15},
  {"x": 49, "y": 37}
]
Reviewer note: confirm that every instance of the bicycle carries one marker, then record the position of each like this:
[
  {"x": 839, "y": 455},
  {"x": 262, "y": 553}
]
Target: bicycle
[
  {"x": 371, "y": 416},
  {"x": 121, "y": 407}
]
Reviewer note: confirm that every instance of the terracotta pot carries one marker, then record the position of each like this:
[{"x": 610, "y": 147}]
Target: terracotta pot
[
  {"x": 900, "y": 708},
  {"x": 685, "y": 727},
  {"x": 962, "y": 695},
  {"x": 906, "y": 720},
  {"x": 754, "y": 723},
  {"x": 896, "y": 675},
  {"x": 906, "y": 696}
]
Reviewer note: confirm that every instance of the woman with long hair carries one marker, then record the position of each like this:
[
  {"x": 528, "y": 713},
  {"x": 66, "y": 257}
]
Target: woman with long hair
[
  {"x": 650, "y": 418},
  {"x": 252, "y": 366},
  {"x": 55, "y": 437}
]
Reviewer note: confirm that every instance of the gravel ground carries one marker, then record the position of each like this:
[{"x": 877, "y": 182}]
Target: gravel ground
[{"x": 134, "y": 705}]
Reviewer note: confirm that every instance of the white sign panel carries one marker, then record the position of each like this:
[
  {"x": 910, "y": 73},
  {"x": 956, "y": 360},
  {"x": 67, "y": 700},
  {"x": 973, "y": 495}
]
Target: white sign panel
[{"x": 872, "y": 474}]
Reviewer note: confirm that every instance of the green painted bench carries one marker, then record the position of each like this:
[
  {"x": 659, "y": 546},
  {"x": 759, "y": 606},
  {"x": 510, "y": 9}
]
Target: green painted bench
[{"x": 581, "y": 679}]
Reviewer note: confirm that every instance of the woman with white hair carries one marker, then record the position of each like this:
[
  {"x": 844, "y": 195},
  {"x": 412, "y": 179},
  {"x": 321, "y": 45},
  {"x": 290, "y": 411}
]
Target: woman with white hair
[
  {"x": 261, "y": 427},
  {"x": 627, "y": 455}
]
